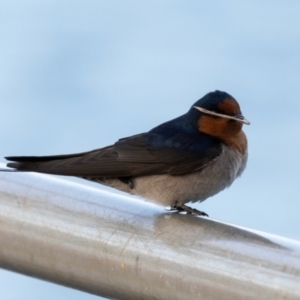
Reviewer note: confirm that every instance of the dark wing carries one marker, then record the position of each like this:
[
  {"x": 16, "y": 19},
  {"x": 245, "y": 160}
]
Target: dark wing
[{"x": 143, "y": 154}]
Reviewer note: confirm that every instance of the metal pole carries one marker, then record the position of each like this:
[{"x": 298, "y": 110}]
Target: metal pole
[{"x": 122, "y": 248}]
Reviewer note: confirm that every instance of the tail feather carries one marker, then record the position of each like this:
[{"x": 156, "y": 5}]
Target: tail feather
[
  {"x": 77, "y": 164},
  {"x": 34, "y": 163},
  {"x": 20, "y": 166},
  {"x": 8, "y": 170},
  {"x": 43, "y": 158}
]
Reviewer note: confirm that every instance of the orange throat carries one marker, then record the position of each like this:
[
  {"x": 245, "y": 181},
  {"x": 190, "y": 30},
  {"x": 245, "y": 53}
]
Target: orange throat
[{"x": 229, "y": 131}]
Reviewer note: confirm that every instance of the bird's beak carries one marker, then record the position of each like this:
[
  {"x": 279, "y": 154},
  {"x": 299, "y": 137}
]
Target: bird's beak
[{"x": 238, "y": 118}]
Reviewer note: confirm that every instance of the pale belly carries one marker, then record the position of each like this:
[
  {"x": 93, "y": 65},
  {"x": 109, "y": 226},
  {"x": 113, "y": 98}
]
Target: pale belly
[{"x": 197, "y": 186}]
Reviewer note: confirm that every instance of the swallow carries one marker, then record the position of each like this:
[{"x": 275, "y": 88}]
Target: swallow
[{"x": 187, "y": 159}]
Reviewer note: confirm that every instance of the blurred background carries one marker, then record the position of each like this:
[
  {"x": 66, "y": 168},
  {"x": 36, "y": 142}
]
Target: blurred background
[{"x": 78, "y": 75}]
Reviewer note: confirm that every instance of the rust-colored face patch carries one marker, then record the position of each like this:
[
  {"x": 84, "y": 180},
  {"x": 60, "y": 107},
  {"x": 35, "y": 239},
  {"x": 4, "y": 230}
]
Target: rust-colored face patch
[
  {"x": 230, "y": 107},
  {"x": 230, "y": 132}
]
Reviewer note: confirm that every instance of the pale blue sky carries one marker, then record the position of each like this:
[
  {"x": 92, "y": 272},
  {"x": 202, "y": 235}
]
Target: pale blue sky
[{"x": 78, "y": 75}]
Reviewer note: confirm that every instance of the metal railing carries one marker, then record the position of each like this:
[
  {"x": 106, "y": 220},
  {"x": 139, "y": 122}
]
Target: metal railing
[{"x": 119, "y": 247}]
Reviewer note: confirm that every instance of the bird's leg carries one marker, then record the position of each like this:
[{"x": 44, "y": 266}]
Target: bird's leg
[{"x": 182, "y": 207}]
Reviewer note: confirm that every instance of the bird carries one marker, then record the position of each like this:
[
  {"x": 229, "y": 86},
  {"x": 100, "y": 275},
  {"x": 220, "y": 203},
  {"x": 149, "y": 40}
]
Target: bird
[{"x": 187, "y": 159}]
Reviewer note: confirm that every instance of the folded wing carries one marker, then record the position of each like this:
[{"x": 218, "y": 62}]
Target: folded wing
[{"x": 143, "y": 154}]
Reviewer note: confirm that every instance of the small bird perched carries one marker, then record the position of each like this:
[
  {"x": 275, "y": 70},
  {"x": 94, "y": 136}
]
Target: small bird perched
[{"x": 187, "y": 159}]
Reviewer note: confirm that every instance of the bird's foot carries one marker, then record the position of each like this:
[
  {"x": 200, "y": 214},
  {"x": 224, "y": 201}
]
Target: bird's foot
[{"x": 182, "y": 207}]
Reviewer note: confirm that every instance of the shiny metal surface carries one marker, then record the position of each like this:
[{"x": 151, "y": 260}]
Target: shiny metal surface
[{"x": 122, "y": 248}]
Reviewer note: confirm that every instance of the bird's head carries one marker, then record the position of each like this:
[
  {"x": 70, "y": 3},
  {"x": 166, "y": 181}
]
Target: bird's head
[{"x": 218, "y": 114}]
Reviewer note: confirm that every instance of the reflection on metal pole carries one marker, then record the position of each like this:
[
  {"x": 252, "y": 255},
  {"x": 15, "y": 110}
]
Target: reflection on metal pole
[{"x": 122, "y": 248}]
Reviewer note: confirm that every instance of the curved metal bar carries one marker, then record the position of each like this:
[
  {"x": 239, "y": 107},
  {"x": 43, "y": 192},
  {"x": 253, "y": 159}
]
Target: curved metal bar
[{"x": 123, "y": 248}]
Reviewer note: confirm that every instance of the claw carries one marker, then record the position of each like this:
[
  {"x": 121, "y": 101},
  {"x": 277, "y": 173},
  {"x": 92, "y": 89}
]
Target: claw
[{"x": 182, "y": 207}]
